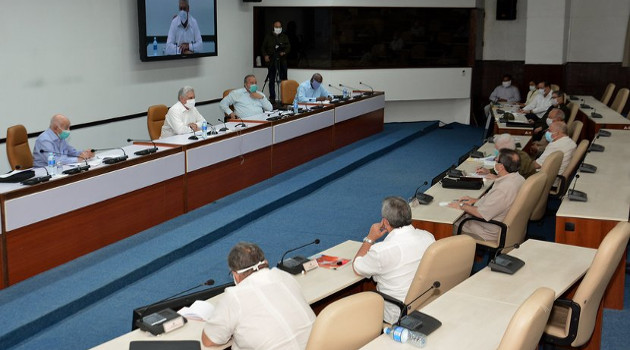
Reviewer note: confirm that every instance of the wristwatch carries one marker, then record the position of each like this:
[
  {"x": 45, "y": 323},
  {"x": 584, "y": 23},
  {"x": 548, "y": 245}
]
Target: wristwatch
[
  {"x": 461, "y": 204},
  {"x": 367, "y": 240}
]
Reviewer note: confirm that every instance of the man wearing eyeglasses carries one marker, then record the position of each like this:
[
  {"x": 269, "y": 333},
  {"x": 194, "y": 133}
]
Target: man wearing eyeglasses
[{"x": 265, "y": 310}]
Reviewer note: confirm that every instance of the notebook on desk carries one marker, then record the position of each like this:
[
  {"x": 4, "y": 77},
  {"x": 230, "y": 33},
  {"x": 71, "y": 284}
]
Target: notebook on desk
[{"x": 165, "y": 345}]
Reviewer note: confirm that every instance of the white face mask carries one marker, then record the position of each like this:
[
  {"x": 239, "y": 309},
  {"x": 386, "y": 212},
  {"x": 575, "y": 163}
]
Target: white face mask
[
  {"x": 190, "y": 103},
  {"x": 183, "y": 16},
  {"x": 549, "y": 121},
  {"x": 554, "y": 101},
  {"x": 507, "y": 83},
  {"x": 532, "y": 88},
  {"x": 541, "y": 91},
  {"x": 496, "y": 170},
  {"x": 277, "y": 31}
]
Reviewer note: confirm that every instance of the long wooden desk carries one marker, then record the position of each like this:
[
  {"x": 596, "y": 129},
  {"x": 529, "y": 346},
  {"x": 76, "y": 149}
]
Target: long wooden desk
[
  {"x": 500, "y": 128},
  {"x": 610, "y": 119},
  {"x": 608, "y": 190},
  {"x": 317, "y": 285},
  {"x": 475, "y": 313},
  {"x": 439, "y": 220}
]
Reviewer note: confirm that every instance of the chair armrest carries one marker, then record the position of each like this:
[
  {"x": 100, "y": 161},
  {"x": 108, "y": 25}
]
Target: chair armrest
[
  {"x": 561, "y": 189},
  {"x": 401, "y": 305},
  {"x": 501, "y": 225},
  {"x": 573, "y": 323}
]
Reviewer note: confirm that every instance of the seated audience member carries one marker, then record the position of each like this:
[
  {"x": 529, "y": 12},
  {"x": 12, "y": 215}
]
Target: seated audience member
[
  {"x": 504, "y": 93},
  {"x": 495, "y": 204},
  {"x": 538, "y": 135},
  {"x": 531, "y": 94},
  {"x": 182, "y": 117},
  {"x": 265, "y": 310},
  {"x": 53, "y": 140},
  {"x": 394, "y": 261},
  {"x": 541, "y": 103},
  {"x": 246, "y": 101},
  {"x": 558, "y": 140},
  {"x": 506, "y": 141},
  {"x": 557, "y": 102},
  {"x": 312, "y": 90}
]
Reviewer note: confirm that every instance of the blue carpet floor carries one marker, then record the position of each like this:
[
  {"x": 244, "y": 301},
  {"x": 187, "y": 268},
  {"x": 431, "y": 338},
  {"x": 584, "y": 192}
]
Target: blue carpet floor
[{"x": 334, "y": 198}]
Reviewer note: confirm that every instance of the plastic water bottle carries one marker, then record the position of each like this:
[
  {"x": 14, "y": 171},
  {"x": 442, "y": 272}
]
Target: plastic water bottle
[
  {"x": 403, "y": 335},
  {"x": 155, "y": 46},
  {"x": 345, "y": 93},
  {"x": 204, "y": 129},
  {"x": 295, "y": 106},
  {"x": 52, "y": 164}
]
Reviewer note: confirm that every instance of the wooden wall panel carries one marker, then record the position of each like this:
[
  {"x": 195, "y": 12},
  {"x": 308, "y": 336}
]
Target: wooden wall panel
[
  {"x": 438, "y": 230},
  {"x": 291, "y": 153},
  {"x": 355, "y": 129}
]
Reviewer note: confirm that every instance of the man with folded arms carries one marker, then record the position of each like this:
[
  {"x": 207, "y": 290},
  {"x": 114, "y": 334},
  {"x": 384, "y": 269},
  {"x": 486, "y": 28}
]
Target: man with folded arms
[
  {"x": 182, "y": 117},
  {"x": 265, "y": 310},
  {"x": 558, "y": 140},
  {"x": 495, "y": 204},
  {"x": 54, "y": 140},
  {"x": 394, "y": 261},
  {"x": 246, "y": 100},
  {"x": 312, "y": 90}
]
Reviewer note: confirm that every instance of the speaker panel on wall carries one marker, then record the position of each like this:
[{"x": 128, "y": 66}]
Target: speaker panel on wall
[{"x": 506, "y": 10}]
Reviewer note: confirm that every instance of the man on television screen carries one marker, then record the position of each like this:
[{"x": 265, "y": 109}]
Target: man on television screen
[{"x": 184, "y": 37}]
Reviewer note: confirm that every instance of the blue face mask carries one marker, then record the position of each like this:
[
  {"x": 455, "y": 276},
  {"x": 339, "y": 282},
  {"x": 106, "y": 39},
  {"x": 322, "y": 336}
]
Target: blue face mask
[
  {"x": 253, "y": 88},
  {"x": 496, "y": 153},
  {"x": 315, "y": 84},
  {"x": 548, "y": 136},
  {"x": 64, "y": 134}
]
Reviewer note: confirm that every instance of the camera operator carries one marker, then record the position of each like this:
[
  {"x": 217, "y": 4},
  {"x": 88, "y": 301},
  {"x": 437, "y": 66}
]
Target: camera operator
[{"x": 275, "y": 48}]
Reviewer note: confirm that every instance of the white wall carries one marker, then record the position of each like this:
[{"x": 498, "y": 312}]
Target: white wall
[
  {"x": 504, "y": 40},
  {"x": 545, "y": 37}
]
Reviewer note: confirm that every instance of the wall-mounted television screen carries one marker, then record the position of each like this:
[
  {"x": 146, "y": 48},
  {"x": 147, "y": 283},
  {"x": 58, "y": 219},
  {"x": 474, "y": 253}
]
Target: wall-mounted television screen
[{"x": 176, "y": 29}]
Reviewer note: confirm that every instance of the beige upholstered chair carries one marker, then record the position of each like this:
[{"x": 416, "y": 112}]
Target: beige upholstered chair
[
  {"x": 550, "y": 168},
  {"x": 572, "y": 321},
  {"x": 155, "y": 119},
  {"x": 554, "y": 87},
  {"x": 620, "y": 100},
  {"x": 560, "y": 188},
  {"x": 18, "y": 150},
  {"x": 528, "y": 323},
  {"x": 575, "y": 129},
  {"x": 288, "y": 89},
  {"x": 348, "y": 323},
  {"x": 573, "y": 108},
  {"x": 448, "y": 261},
  {"x": 514, "y": 226},
  {"x": 608, "y": 92}
]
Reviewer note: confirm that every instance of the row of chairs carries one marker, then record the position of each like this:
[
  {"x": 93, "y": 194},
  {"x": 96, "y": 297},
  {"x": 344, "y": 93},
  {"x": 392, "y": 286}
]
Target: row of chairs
[{"x": 619, "y": 103}]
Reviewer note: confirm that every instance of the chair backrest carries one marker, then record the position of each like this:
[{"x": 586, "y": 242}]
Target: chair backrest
[
  {"x": 610, "y": 88},
  {"x": 550, "y": 167},
  {"x": 589, "y": 293},
  {"x": 554, "y": 87},
  {"x": 288, "y": 89},
  {"x": 578, "y": 154},
  {"x": 448, "y": 261},
  {"x": 528, "y": 322},
  {"x": 620, "y": 100},
  {"x": 573, "y": 107},
  {"x": 575, "y": 129},
  {"x": 348, "y": 323},
  {"x": 18, "y": 150},
  {"x": 522, "y": 207},
  {"x": 155, "y": 119}
]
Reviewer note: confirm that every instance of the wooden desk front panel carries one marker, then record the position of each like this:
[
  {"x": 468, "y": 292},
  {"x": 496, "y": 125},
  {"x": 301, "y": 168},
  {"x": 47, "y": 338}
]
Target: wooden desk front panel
[
  {"x": 291, "y": 153},
  {"x": 46, "y": 244},
  {"x": 208, "y": 184},
  {"x": 355, "y": 129},
  {"x": 590, "y": 233},
  {"x": 439, "y": 230}
]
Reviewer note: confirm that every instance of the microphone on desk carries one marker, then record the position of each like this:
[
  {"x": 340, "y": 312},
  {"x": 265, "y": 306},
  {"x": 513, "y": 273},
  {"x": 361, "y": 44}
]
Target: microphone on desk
[
  {"x": 242, "y": 123},
  {"x": 418, "y": 321},
  {"x": 294, "y": 265},
  {"x": 37, "y": 179},
  {"x": 209, "y": 282},
  {"x": 595, "y": 147},
  {"x": 371, "y": 88},
  {"x": 112, "y": 160},
  {"x": 341, "y": 97},
  {"x": 506, "y": 263},
  {"x": 71, "y": 171},
  {"x": 422, "y": 198},
  {"x": 145, "y": 151},
  {"x": 224, "y": 128},
  {"x": 349, "y": 87},
  {"x": 575, "y": 195},
  {"x": 193, "y": 137}
]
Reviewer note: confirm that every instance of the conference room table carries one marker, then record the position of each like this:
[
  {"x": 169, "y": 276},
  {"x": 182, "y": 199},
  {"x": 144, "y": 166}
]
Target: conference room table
[
  {"x": 48, "y": 224},
  {"x": 502, "y": 127},
  {"x": 608, "y": 202},
  {"x": 439, "y": 219},
  {"x": 476, "y": 312},
  {"x": 610, "y": 119},
  {"x": 317, "y": 286}
]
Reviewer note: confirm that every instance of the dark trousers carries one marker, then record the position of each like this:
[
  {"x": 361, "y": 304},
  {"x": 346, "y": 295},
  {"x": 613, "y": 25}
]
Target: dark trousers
[{"x": 282, "y": 67}]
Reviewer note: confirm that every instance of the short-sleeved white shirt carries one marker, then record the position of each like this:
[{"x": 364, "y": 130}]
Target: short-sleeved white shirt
[
  {"x": 393, "y": 264},
  {"x": 564, "y": 144},
  {"x": 266, "y": 310}
]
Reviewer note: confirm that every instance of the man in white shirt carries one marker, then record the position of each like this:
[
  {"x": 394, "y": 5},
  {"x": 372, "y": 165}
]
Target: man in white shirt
[
  {"x": 265, "y": 310},
  {"x": 531, "y": 94},
  {"x": 394, "y": 261},
  {"x": 312, "y": 90},
  {"x": 182, "y": 117},
  {"x": 558, "y": 140},
  {"x": 246, "y": 100},
  {"x": 541, "y": 102},
  {"x": 184, "y": 36},
  {"x": 505, "y": 92}
]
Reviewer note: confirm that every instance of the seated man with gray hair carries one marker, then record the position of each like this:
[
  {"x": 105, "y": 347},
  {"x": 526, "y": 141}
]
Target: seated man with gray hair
[
  {"x": 506, "y": 141},
  {"x": 558, "y": 140},
  {"x": 182, "y": 117},
  {"x": 247, "y": 101},
  {"x": 394, "y": 261},
  {"x": 538, "y": 135},
  {"x": 265, "y": 310}
]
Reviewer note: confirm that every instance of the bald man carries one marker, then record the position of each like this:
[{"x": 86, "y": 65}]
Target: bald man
[
  {"x": 54, "y": 140},
  {"x": 312, "y": 90}
]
